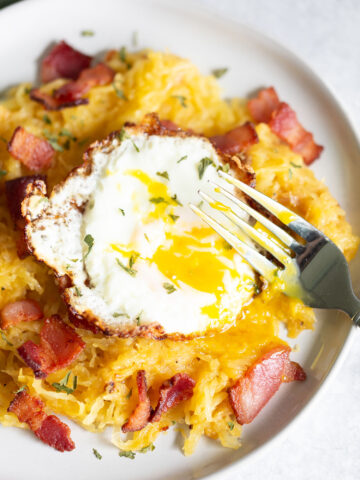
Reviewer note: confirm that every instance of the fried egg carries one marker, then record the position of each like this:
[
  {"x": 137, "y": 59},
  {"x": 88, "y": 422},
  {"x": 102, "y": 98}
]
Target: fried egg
[{"x": 130, "y": 255}]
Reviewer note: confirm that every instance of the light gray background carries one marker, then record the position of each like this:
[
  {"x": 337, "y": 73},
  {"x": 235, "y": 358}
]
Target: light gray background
[{"x": 325, "y": 443}]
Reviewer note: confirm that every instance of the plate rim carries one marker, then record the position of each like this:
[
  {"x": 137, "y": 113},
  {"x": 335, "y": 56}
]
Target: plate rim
[{"x": 206, "y": 13}]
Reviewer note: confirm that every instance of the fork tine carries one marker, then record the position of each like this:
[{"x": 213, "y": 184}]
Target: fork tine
[
  {"x": 260, "y": 263},
  {"x": 258, "y": 237},
  {"x": 296, "y": 223},
  {"x": 284, "y": 237}
]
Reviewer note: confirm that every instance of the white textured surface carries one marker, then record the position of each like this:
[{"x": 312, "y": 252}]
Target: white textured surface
[{"x": 324, "y": 444}]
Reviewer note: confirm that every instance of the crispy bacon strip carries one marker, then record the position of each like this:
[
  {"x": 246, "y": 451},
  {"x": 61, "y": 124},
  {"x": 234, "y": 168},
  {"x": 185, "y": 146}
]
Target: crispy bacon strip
[
  {"x": 15, "y": 191},
  {"x": 283, "y": 121},
  {"x": 71, "y": 94},
  {"x": 285, "y": 124},
  {"x": 140, "y": 416},
  {"x": 63, "y": 61},
  {"x": 236, "y": 140},
  {"x": 169, "y": 125},
  {"x": 21, "y": 311},
  {"x": 48, "y": 428},
  {"x": 59, "y": 346},
  {"x": 33, "y": 152},
  {"x": 261, "y": 381},
  {"x": 262, "y": 106},
  {"x": 179, "y": 388}
]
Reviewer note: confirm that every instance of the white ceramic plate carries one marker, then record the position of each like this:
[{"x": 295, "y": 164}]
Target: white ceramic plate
[{"x": 254, "y": 61}]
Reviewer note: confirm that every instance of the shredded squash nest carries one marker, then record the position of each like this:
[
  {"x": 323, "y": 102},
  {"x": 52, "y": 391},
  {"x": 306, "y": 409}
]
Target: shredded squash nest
[{"x": 106, "y": 369}]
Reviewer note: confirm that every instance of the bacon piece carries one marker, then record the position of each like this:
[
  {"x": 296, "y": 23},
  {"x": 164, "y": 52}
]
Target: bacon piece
[
  {"x": 63, "y": 61},
  {"x": 260, "y": 382},
  {"x": 59, "y": 346},
  {"x": 236, "y": 140},
  {"x": 70, "y": 94},
  {"x": 140, "y": 416},
  {"x": 262, "y": 106},
  {"x": 33, "y": 152},
  {"x": 21, "y": 311},
  {"x": 48, "y": 428},
  {"x": 285, "y": 124},
  {"x": 172, "y": 392},
  {"x": 283, "y": 121},
  {"x": 22, "y": 248},
  {"x": 293, "y": 372},
  {"x": 15, "y": 191},
  {"x": 169, "y": 125}
]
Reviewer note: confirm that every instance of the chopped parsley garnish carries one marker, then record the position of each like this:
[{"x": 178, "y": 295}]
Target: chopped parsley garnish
[
  {"x": 89, "y": 240},
  {"x": 219, "y": 72},
  {"x": 3, "y": 139},
  {"x": 295, "y": 166},
  {"x": 290, "y": 173},
  {"x": 173, "y": 217},
  {"x": 135, "y": 146},
  {"x": 129, "y": 394},
  {"x": 150, "y": 447},
  {"x": 163, "y": 174},
  {"x": 3, "y": 172},
  {"x": 122, "y": 54},
  {"x": 78, "y": 292},
  {"x": 128, "y": 270},
  {"x": 169, "y": 287},
  {"x": 87, "y": 33},
  {"x": 3, "y": 336},
  {"x": 52, "y": 139},
  {"x": 138, "y": 318},
  {"x": 97, "y": 454},
  {"x": 83, "y": 141},
  {"x": 119, "y": 92},
  {"x": 182, "y": 158},
  {"x": 122, "y": 212},
  {"x": 200, "y": 204},
  {"x": 224, "y": 168},
  {"x": 129, "y": 454},
  {"x": 120, "y": 314},
  {"x": 46, "y": 119},
  {"x": 231, "y": 425},
  {"x": 227, "y": 245},
  {"x": 202, "y": 166},
  {"x": 21, "y": 389},
  {"x": 27, "y": 90},
  {"x": 66, "y": 133},
  {"x": 146, "y": 237},
  {"x": 133, "y": 259},
  {"x": 176, "y": 200},
  {"x": 62, "y": 385},
  {"x": 122, "y": 135},
  {"x": 158, "y": 200},
  {"x": 181, "y": 99}
]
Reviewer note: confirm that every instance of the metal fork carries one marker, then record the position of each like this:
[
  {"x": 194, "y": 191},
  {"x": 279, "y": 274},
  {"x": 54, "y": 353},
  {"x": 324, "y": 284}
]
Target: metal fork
[{"x": 314, "y": 270}]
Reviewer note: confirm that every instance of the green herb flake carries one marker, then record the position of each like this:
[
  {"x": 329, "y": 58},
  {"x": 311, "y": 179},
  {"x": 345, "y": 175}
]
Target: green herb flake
[
  {"x": 135, "y": 146},
  {"x": 146, "y": 237},
  {"x": 128, "y": 270},
  {"x": 224, "y": 168},
  {"x": 122, "y": 211},
  {"x": 169, "y": 287},
  {"x": 83, "y": 141},
  {"x": 64, "y": 132},
  {"x": 3, "y": 139},
  {"x": 3, "y": 336},
  {"x": 227, "y": 245},
  {"x": 87, "y": 33},
  {"x": 173, "y": 422},
  {"x": 122, "y": 135},
  {"x": 128, "y": 454},
  {"x": 200, "y": 204},
  {"x": 181, "y": 99},
  {"x": 148, "y": 448},
  {"x": 219, "y": 72},
  {"x": 119, "y": 92},
  {"x": 120, "y": 314},
  {"x": 135, "y": 39},
  {"x": 46, "y": 119},
  {"x": 133, "y": 259},
  {"x": 163, "y": 174},
  {"x": 295, "y": 165},
  {"x": 138, "y": 318},
  {"x": 202, "y": 166},
  {"x": 176, "y": 200},
  {"x": 52, "y": 139},
  {"x": 158, "y": 200},
  {"x": 78, "y": 292},
  {"x": 27, "y": 90},
  {"x": 290, "y": 173},
  {"x": 173, "y": 217},
  {"x": 122, "y": 54},
  {"x": 3, "y": 172},
  {"x": 89, "y": 240},
  {"x": 62, "y": 385},
  {"x": 97, "y": 454},
  {"x": 129, "y": 394},
  {"x": 21, "y": 389},
  {"x": 231, "y": 425},
  {"x": 182, "y": 158}
]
